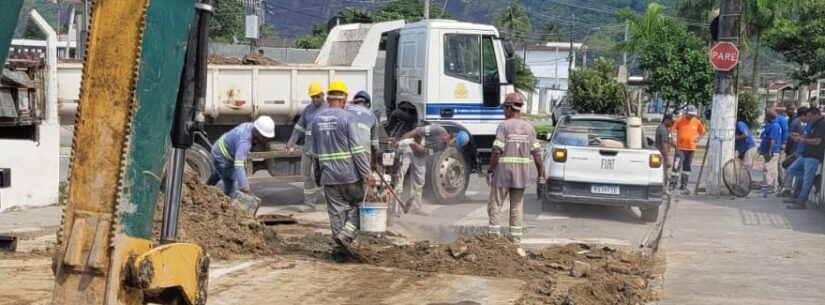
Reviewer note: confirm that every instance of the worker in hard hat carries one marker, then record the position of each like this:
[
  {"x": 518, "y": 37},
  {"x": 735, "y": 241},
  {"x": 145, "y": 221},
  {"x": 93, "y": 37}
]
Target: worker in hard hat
[
  {"x": 230, "y": 152},
  {"x": 366, "y": 122},
  {"x": 302, "y": 130},
  {"x": 509, "y": 172},
  {"x": 414, "y": 148},
  {"x": 343, "y": 164}
]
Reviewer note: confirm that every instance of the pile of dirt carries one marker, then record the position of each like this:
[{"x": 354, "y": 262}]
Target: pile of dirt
[
  {"x": 611, "y": 276},
  {"x": 249, "y": 59},
  {"x": 220, "y": 225}
]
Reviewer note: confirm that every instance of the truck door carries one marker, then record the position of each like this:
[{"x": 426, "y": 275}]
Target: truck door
[{"x": 412, "y": 47}]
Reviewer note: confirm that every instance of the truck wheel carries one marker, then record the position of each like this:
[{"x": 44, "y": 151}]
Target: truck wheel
[
  {"x": 650, "y": 214},
  {"x": 199, "y": 159},
  {"x": 449, "y": 176}
]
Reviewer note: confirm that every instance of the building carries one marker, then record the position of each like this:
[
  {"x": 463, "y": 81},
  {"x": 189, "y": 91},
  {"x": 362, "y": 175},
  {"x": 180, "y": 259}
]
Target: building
[{"x": 550, "y": 64}]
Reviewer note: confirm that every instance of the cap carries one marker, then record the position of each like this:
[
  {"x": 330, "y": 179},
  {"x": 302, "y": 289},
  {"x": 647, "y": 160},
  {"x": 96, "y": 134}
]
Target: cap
[
  {"x": 362, "y": 97},
  {"x": 461, "y": 139},
  {"x": 690, "y": 109}
]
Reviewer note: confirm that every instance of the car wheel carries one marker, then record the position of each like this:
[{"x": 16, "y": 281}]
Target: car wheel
[
  {"x": 650, "y": 214},
  {"x": 449, "y": 176}
]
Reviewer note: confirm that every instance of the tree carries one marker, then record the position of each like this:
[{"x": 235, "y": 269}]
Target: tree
[
  {"x": 316, "y": 38},
  {"x": 227, "y": 25},
  {"x": 525, "y": 80},
  {"x": 596, "y": 90},
  {"x": 32, "y": 31},
  {"x": 267, "y": 31},
  {"x": 698, "y": 10},
  {"x": 800, "y": 38},
  {"x": 514, "y": 20},
  {"x": 758, "y": 16},
  {"x": 550, "y": 31},
  {"x": 676, "y": 60},
  {"x": 749, "y": 108}
]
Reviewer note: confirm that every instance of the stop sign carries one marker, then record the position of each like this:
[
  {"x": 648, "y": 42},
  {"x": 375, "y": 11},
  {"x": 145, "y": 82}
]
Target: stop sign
[{"x": 724, "y": 56}]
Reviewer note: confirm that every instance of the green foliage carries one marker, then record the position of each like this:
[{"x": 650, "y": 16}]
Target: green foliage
[
  {"x": 267, "y": 31},
  {"x": 676, "y": 60},
  {"x": 315, "y": 39},
  {"x": 32, "y": 31},
  {"x": 550, "y": 31},
  {"x": 525, "y": 80},
  {"x": 514, "y": 20},
  {"x": 800, "y": 38},
  {"x": 749, "y": 108},
  {"x": 227, "y": 24},
  {"x": 596, "y": 90}
]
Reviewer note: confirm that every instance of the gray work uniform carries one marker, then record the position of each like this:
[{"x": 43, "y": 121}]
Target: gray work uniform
[
  {"x": 432, "y": 137},
  {"x": 516, "y": 142},
  {"x": 303, "y": 130},
  {"x": 367, "y": 126},
  {"x": 343, "y": 163}
]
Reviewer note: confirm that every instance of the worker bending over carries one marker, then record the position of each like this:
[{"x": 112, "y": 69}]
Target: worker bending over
[
  {"x": 302, "y": 130},
  {"x": 414, "y": 148},
  {"x": 509, "y": 169},
  {"x": 229, "y": 155},
  {"x": 366, "y": 122},
  {"x": 343, "y": 164}
]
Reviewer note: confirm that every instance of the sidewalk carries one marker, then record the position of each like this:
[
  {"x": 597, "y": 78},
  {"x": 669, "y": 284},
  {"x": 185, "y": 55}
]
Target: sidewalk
[{"x": 745, "y": 251}]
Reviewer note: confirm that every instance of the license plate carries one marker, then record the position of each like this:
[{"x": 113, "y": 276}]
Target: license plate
[
  {"x": 388, "y": 159},
  {"x": 604, "y": 189}
]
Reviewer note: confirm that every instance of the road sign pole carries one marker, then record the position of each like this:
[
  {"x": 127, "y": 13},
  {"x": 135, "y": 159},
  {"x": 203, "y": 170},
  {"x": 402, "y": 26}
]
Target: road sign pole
[{"x": 723, "y": 117}]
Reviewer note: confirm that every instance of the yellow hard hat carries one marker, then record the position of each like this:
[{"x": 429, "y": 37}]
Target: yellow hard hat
[
  {"x": 338, "y": 86},
  {"x": 315, "y": 89}
]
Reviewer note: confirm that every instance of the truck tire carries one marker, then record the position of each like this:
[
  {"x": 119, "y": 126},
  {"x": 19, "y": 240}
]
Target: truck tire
[
  {"x": 650, "y": 214},
  {"x": 199, "y": 160},
  {"x": 449, "y": 176}
]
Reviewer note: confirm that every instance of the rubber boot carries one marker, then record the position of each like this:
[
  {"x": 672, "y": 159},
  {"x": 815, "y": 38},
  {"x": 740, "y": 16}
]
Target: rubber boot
[
  {"x": 515, "y": 234},
  {"x": 674, "y": 179},
  {"x": 684, "y": 182}
]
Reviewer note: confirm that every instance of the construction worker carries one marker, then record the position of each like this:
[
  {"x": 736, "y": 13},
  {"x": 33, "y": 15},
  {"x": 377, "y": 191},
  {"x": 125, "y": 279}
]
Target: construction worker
[
  {"x": 509, "y": 169},
  {"x": 414, "y": 148},
  {"x": 366, "y": 122},
  {"x": 343, "y": 164},
  {"x": 688, "y": 130},
  {"x": 302, "y": 131},
  {"x": 229, "y": 156}
]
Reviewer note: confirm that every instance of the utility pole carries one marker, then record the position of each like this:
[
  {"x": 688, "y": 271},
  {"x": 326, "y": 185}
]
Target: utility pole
[
  {"x": 426, "y": 9},
  {"x": 570, "y": 56},
  {"x": 723, "y": 118}
]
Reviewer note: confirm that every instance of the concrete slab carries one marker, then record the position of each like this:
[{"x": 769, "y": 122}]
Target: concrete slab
[{"x": 746, "y": 251}]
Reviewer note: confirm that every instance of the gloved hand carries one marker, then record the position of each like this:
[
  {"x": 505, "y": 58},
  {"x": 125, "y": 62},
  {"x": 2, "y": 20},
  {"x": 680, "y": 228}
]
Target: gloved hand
[{"x": 540, "y": 182}]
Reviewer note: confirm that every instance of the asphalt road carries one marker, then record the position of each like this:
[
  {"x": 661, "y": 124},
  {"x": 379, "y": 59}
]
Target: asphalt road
[{"x": 613, "y": 226}]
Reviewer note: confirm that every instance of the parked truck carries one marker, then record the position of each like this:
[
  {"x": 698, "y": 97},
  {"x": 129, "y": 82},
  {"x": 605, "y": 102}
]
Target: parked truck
[{"x": 442, "y": 71}]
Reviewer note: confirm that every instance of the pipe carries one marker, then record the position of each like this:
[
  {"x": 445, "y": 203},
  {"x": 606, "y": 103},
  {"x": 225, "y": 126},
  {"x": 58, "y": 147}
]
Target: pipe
[
  {"x": 51, "y": 67},
  {"x": 171, "y": 208}
]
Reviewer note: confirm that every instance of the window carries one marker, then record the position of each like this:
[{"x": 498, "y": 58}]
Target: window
[
  {"x": 462, "y": 57},
  {"x": 489, "y": 63}
]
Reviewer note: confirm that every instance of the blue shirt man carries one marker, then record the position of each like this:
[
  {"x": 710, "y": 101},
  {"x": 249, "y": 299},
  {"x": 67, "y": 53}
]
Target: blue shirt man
[
  {"x": 784, "y": 128},
  {"x": 771, "y": 139},
  {"x": 744, "y": 139}
]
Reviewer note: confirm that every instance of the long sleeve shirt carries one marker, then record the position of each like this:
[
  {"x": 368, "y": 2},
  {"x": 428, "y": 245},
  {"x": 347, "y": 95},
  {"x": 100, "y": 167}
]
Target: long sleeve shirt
[
  {"x": 235, "y": 146},
  {"x": 303, "y": 128},
  {"x": 367, "y": 125},
  {"x": 334, "y": 139}
]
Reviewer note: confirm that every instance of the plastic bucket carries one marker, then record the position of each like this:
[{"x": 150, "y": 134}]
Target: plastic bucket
[{"x": 373, "y": 217}]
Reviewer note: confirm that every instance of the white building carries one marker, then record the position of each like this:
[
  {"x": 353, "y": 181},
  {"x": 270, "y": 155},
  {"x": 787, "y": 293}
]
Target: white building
[{"x": 550, "y": 63}]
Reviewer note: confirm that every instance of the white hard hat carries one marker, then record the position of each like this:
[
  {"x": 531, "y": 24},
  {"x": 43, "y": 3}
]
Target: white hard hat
[{"x": 265, "y": 126}]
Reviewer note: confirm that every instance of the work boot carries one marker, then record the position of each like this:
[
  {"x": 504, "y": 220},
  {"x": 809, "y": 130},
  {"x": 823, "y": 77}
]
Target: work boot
[
  {"x": 684, "y": 183},
  {"x": 306, "y": 208},
  {"x": 796, "y": 206},
  {"x": 515, "y": 234},
  {"x": 789, "y": 201}
]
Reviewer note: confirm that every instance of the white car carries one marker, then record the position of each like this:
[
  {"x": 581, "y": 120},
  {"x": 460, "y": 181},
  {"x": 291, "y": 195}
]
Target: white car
[{"x": 586, "y": 162}]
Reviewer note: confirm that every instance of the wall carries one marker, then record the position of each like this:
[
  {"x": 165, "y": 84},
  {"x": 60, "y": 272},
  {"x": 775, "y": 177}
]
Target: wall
[{"x": 35, "y": 169}]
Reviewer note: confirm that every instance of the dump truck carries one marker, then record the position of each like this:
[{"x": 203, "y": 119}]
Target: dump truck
[{"x": 443, "y": 71}]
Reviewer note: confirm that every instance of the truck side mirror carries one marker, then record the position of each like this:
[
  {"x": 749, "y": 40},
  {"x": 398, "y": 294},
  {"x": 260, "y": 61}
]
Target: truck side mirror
[{"x": 510, "y": 62}]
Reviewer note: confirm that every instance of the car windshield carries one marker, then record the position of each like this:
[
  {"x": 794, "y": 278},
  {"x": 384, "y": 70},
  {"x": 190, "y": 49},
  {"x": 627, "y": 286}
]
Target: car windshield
[{"x": 590, "y": 133}]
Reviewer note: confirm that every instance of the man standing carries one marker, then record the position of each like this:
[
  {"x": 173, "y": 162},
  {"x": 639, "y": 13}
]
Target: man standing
[
  {"x": 745, "y": 146},
  {"x": 303, "y": 130},
  {"x": 770, "y": 148},
  {"x": 414, "y": 148},
  {"x": 806, "y": 166},
  {"x": 509, "y": 169},
  {"x": 663, "y": 143},
  {"x": 230, "y": 151},
  {"x": 366, "y": 122},
  {"x": 688, "y": 130},
  {"x": 342, "y": 162},
  {"x": 786, "y": 134}
]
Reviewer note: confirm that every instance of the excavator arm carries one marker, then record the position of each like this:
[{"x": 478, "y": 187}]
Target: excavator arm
[{"x": 132, "y": 76}]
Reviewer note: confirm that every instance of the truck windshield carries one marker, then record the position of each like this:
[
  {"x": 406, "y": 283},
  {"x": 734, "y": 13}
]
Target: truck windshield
[{"x": 462, "y": 56}]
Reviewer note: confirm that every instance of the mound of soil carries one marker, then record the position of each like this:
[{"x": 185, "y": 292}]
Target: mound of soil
[
  {"x": 249, "y": 59},
  {"x": 215, "y": 222},
  {"x": 615, "y": 277}
]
